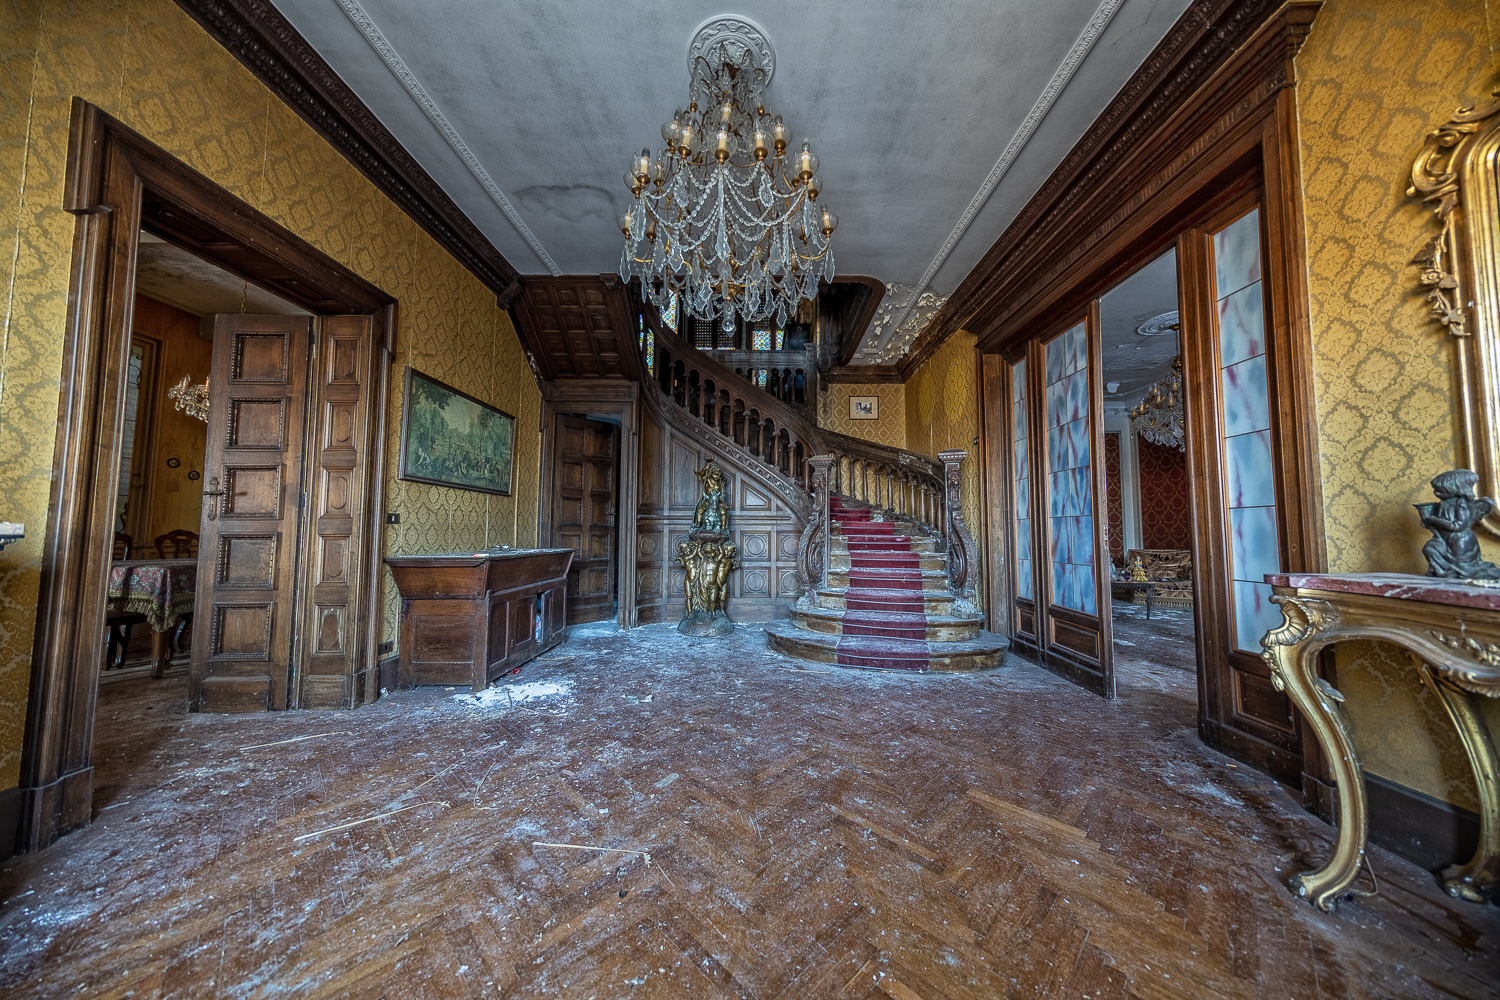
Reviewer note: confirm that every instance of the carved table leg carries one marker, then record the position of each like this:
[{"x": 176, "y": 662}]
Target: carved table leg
[
  {"x": 1479, "y": 879},
  {"x": 1293, "y": 659}
]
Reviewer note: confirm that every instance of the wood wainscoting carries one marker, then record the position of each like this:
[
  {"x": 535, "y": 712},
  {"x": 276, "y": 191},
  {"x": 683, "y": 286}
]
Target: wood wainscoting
[{"x": 765, "y": 530}]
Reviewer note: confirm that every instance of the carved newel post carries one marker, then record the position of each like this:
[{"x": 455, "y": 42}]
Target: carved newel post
[
  {"x": 812, "y": 549},
  {"x": 962, "y": 556},
  {"x": 708, "y": 556}
]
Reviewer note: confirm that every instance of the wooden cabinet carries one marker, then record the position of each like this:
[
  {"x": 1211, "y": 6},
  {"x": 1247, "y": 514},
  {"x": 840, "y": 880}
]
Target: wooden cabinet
[{"x": 468, "y": 617}]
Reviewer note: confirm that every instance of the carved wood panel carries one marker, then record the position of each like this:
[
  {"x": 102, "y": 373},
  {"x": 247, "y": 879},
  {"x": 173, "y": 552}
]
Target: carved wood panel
[
  {"x": 242, "y": 633},
  {"x": 578, "y": 326},
  {"x": 329, "y": 617},
  {"x": 765, "y": 531}
]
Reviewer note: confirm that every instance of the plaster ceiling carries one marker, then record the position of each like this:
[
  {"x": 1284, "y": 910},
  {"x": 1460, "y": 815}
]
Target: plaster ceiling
[
  {"x": 172, "y": 275},
  {"x": 935, "y": 122},
  {"x": 1132, "y": 362}
]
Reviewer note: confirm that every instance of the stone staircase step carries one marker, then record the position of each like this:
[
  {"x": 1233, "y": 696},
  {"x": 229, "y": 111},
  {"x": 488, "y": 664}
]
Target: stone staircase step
[
  {"x": 877, "y": 599},
  {"x": 895, "y": 624},
  {"x": 878, "y": 653}
]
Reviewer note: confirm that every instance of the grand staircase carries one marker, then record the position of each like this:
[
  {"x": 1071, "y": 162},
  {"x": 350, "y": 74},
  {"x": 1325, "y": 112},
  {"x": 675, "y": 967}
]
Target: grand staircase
[
  {"x": 885, "y": 562},
  {"x": 885, "y": 603}
]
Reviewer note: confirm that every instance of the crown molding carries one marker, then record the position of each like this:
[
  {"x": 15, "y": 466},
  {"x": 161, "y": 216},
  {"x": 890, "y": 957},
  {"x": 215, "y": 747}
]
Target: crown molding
[
  {"x": 267, "y": 44},
  {"x": 1145, "y": 122}
]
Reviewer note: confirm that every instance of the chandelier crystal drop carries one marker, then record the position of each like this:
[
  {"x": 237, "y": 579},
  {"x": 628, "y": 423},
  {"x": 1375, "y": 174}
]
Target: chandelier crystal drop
[
  {"x": 1159, "y": 417},
  {"x": 727, "y": 214}
]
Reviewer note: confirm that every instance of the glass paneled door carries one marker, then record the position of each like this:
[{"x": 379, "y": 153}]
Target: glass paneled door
[{"x": 1068, "y": 441}]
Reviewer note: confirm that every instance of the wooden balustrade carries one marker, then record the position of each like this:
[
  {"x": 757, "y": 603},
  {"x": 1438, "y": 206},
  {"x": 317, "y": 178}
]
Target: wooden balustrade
[{"x": 901, "y": 484}]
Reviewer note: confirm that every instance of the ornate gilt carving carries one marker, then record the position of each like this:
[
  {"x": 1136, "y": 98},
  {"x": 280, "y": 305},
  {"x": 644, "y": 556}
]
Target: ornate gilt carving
[
  {"x": 1456, "y": 175},
  {"x": 1436, "y": 177}
]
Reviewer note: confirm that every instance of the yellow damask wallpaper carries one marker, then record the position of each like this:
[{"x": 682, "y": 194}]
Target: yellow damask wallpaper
[
  {"x": 1373, "y": 76},
  {"x": 889, "y": 429},
  {"x": 148, "y": 64},
  {"x": 942, "y": 411}
]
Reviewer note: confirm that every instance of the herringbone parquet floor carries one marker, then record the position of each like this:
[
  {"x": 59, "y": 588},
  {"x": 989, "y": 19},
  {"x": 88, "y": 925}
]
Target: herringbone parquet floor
[{"x": 812, "y": 833}]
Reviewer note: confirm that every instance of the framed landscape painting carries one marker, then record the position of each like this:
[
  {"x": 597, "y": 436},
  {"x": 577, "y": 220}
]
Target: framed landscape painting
[
  {"x": 864, "y": 407},
  {"x": 449, "y": 438}
]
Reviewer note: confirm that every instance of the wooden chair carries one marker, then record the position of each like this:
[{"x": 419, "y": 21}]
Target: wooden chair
[
  {"x": 180, "y": 543},
  {"x": 120, "y": 623}
]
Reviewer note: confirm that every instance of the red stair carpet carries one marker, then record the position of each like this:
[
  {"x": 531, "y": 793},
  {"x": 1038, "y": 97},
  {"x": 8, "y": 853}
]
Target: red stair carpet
[{"x": 885, "y": 621}]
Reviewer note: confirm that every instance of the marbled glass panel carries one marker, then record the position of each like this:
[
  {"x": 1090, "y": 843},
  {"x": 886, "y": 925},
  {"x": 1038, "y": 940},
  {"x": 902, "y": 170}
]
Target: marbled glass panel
[
  {"x": 1242, "y": 325},
  {"x": 1057, "y": 359},
  {"x": 1249, "y": 470},
  {"x": 1024, "y": 578},
  {"x": 1247, "y": 403},
  {"x": 1254, "y": 614},
  {"x": 1077, "y": 396},
  {"x": 1247, "y": 467},
  {"x": 1070, "y": 532},
  {"x": 1252, "y": 542},
  {"x": 1237, "y": 255}
]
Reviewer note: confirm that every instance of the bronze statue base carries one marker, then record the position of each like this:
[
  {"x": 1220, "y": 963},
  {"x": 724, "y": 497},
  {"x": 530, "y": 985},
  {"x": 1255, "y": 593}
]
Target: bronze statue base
[{"x": 716, "y": 624}]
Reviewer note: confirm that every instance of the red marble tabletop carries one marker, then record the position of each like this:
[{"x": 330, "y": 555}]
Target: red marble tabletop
[{"x": 1400, "y": 586}]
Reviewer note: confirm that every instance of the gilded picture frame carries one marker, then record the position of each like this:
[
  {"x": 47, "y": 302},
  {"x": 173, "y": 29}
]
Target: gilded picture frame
[
  {"x": 450, "y": 438},
  {"x": 1457, "y": 173}
]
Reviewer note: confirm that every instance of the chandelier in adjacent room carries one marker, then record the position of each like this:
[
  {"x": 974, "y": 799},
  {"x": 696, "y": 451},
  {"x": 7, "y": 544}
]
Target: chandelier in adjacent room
[
  {"x": 727, "y": 214},
  {"x": 1159, "y": 417}
]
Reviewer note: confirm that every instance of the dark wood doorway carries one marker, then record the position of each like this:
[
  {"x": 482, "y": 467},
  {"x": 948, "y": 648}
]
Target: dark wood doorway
[
  {"x": 585, "y": 478},
  {"x": 117, "y": 184}
]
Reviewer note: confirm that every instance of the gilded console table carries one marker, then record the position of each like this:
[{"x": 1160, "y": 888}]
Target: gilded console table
[{"x": 1453, "y": 631}]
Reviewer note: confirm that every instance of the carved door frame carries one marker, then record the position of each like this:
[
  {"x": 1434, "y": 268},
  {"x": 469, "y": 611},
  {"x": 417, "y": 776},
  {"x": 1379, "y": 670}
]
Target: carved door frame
[
  {"x": 1234, "y": 139},
  {"x": 116, "y": 179},
  {"x": 602, "y": 397}
]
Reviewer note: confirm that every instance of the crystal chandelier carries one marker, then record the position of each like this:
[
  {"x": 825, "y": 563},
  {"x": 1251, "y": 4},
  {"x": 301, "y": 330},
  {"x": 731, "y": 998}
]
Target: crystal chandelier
[
  {"x": 726, "y": 215},
  {"x": 1159, "y": 417}
]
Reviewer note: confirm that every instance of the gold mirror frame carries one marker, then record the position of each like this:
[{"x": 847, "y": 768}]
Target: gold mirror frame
[{"x": 1458, "y": 174}]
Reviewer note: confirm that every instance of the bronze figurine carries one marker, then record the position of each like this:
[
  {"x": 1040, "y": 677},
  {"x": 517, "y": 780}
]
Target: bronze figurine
[
  {"x": 707, "y": 556},
  {"x": 1453, "y": 550}
]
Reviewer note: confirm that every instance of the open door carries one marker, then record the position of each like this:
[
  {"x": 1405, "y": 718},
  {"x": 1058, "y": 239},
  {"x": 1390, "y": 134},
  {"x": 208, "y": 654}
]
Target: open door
[
  {"x": 252, "y": 499},
  {"x": 1070, "y": 530}
]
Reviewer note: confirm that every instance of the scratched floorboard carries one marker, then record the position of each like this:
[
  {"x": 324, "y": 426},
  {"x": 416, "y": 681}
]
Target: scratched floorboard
[{"x": 813, "y": 833}]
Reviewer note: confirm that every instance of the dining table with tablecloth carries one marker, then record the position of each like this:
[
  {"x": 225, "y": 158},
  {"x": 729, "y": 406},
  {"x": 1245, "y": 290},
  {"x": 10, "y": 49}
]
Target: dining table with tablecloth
[{"x": 162, "y": 590}]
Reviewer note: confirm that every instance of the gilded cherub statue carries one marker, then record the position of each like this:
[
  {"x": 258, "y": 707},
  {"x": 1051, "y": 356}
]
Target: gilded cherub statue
[
  {"x": 1453, "y": 549},
  {"x": 712, "y": 513},
  {"x": 707, "y": 557}
]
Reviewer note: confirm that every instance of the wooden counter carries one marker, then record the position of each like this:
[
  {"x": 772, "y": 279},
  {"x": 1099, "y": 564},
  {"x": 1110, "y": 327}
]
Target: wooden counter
[{"x": 468, "y": 617}]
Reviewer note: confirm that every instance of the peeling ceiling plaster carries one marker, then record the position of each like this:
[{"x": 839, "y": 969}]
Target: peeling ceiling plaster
[{"x": 526, "y": 110}]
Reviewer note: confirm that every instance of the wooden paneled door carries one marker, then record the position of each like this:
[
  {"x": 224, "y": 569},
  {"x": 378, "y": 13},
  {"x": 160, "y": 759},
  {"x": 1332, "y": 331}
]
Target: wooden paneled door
[
  {"x": 252, "y": 500},
  {"x": 1062, "y": 544},
  {"x": 583, "y": 513}
]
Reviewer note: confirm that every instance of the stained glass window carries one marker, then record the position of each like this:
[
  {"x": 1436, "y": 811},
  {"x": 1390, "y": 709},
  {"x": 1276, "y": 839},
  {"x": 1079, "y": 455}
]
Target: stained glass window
[
  {"x": 762, "y": 338},
  {"x": 760, "y": 378},
  {"x": 1024, "y": 575},
  {"x": 669, "y": 316},
  {"x": 1249, "y": 473},
  {"x": 1070, "y": 485}
]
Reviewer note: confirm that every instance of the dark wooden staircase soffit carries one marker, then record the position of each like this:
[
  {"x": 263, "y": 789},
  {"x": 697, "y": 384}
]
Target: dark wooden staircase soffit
[{"x": 579, "y": 326}]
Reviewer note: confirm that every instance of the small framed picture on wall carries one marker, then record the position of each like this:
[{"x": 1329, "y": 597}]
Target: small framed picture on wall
[{"x": 864, "y": 407}]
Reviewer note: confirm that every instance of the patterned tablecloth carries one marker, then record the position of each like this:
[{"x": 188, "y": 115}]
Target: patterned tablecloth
[{"x": 160, "y": 589}]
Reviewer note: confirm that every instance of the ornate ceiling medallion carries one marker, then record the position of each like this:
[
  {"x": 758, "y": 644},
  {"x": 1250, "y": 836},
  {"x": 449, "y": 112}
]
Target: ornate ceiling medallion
[
  {"x": 1160, "y": 325},
  {"x": 726, "y": 219}
]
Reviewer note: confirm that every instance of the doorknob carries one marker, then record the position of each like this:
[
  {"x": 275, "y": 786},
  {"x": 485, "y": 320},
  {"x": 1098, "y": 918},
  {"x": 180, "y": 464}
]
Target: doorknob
[{"x": 214, "y": 493}]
